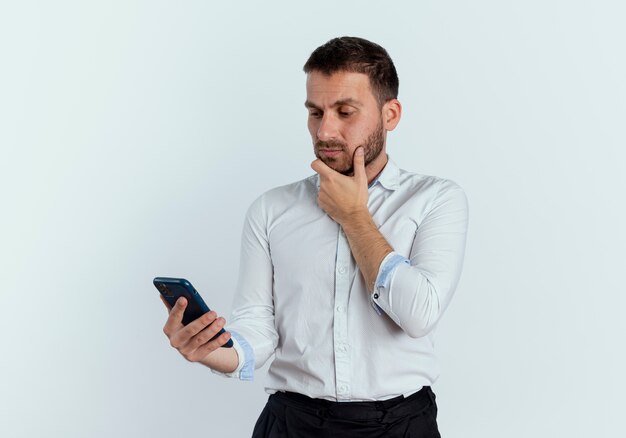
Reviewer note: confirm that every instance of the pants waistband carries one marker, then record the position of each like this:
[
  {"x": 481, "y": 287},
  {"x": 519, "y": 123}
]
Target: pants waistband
[{"x": 398, "y": 406}]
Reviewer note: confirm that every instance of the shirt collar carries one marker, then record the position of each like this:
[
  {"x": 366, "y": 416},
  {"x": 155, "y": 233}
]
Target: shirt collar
[{"x": 389, "y": 177}]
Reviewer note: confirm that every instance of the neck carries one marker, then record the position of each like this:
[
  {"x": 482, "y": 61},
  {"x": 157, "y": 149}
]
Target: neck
[{"x": 373, "y": 169}]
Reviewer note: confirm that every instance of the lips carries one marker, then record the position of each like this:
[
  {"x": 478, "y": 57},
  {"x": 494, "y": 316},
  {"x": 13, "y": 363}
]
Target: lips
[{"x": 330, "y": 152}]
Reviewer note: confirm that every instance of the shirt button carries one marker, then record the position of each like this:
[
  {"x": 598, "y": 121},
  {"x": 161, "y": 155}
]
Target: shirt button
[
  {"x": 340, "y": 309},
  {"x": 342, "y": 348},
  {"x": 343, "y": 388},
  {"x": 342, "y": 270}
]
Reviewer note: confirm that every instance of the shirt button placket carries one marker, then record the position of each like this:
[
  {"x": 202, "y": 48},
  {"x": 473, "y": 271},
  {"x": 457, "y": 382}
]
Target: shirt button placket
[{"x": 340, "y": 326}]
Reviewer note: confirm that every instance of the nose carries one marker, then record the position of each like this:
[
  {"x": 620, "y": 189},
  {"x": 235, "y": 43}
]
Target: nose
[{"x": 327, "y": 129}]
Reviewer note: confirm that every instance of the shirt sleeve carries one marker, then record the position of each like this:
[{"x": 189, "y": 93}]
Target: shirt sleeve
[
  {"x": 252, "y": 320},
  {"x": 245, "y": 369},
  {"x": 415, "y": 292}
]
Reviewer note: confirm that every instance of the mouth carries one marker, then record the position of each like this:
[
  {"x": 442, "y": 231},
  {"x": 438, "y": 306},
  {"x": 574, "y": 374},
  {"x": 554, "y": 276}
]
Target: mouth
[{"x": 330, "y": 152}]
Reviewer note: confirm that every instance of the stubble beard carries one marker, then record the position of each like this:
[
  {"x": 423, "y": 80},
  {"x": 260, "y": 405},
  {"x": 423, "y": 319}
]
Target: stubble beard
[{"x": 372, "y": 146}]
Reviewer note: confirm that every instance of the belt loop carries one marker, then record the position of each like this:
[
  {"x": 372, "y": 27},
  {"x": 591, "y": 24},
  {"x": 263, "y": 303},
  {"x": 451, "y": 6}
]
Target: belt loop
[{"x": 431, "y": 394}]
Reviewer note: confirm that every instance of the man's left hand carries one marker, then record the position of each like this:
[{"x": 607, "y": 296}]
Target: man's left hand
[{"x": 342, "y": 196}]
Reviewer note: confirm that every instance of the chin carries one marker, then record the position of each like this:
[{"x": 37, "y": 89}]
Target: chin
[{"x": 337, "y": 167}]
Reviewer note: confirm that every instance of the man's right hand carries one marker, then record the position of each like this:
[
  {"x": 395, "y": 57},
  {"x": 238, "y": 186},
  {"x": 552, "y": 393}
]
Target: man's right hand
[{"x": 194, "y": 340}]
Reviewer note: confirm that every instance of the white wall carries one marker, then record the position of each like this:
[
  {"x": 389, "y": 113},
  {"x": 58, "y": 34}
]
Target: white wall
[{"x": 135, "y": 134}]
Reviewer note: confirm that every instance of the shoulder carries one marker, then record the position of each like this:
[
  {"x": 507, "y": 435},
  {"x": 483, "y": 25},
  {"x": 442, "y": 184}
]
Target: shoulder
[
  {"x": 422, "y": 183},
  {"x": 432, "y": 191}
]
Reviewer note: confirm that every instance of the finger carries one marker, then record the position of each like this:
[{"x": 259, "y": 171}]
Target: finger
[
  {"x": 183, "y": 336},
  {"x": 359, "y": 164},
  {"x": 205, "y": 335},
  {"x": 320, "y": 167},
  {"x": 175, "y": 320},
  {"x": 210, "y": 347}
]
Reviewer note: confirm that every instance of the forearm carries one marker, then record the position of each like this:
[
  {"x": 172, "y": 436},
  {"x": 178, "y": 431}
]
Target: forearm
[
  {"x": 223, "y": 360},
  {"x": 368, "y": 245}
]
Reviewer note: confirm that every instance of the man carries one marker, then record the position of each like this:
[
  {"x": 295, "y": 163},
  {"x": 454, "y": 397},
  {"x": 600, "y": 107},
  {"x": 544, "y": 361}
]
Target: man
[{"x": 344, "y": 274}]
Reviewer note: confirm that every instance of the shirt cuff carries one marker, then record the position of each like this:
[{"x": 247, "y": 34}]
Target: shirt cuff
[
  {"x": 383, "y": 280},
  {"x": 245, "y": 369}
]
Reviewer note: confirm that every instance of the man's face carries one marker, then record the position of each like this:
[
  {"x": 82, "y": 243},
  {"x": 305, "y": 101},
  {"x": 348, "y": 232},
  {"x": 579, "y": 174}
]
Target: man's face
[{"x": 343, "y": 115}]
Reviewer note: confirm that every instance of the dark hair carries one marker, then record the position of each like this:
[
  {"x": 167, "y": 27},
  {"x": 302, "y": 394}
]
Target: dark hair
[{"x": 357, "y": 55}]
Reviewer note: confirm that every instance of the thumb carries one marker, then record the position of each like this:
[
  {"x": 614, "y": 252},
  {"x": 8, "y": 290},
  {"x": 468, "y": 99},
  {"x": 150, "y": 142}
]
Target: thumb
[{"x": 359, "y": 163}]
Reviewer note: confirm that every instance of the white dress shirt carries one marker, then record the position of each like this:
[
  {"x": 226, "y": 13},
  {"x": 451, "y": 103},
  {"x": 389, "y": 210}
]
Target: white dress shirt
[{"x": 302, "y": 298}]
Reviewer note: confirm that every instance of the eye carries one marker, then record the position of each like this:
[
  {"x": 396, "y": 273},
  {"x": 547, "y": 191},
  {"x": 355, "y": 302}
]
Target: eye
[
  {"x": 345, "y": 112},
  {"x": 315, "y": 114}
]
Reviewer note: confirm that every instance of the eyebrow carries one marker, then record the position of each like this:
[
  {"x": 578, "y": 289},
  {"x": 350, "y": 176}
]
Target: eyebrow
[{"x": 347, "y": 101}]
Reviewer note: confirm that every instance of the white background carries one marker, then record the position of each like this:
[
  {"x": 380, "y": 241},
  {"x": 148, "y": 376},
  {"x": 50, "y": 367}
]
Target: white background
[{"x": 134, "y": 135}]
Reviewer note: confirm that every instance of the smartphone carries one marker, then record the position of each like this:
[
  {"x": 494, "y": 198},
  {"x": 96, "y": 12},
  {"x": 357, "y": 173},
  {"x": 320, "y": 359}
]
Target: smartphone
[{"x": 173, "y": 288}]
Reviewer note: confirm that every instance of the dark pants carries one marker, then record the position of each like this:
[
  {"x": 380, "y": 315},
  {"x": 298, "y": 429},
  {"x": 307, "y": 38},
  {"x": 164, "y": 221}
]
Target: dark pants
[{"x": 287, "y": 414}]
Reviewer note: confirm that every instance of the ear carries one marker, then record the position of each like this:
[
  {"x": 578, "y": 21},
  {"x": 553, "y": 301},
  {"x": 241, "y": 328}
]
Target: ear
[{"x": 392, "y": 111}]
